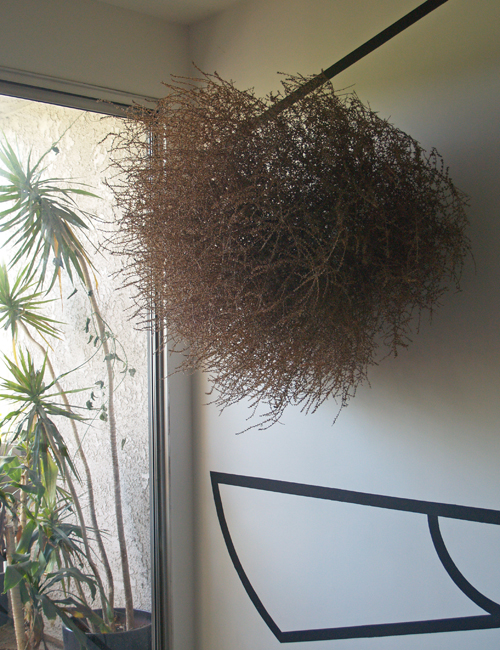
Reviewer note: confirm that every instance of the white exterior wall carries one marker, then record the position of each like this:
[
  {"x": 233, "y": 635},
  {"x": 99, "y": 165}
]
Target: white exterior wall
[{"x": 427, "y": 428}]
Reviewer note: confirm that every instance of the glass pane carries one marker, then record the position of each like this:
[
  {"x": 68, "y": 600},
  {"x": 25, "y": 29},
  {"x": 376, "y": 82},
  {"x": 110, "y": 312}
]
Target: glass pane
[{"x": 81, "y": 156}]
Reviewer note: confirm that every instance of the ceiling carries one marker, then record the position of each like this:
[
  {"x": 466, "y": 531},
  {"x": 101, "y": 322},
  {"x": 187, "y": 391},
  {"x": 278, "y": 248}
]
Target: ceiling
[{"x": 179, "y": 11}]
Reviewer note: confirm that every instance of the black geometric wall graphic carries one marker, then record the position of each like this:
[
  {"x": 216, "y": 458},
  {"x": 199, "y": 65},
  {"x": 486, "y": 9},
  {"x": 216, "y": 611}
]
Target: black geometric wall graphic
[{"x": 433, "y": 510}]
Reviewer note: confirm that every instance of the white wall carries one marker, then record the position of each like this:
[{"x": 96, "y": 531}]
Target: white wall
[
  {"x": 89, "y": 42},
  {"x": 427, "y": 428}
]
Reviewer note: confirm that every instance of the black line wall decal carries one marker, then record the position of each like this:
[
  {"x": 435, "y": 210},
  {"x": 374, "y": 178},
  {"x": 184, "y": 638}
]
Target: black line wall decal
[{"x": 433, "y": 510}]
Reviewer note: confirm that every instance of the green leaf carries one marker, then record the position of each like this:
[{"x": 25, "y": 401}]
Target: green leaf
[
  {"x": 24, "y": 544},
  {"x": 15, "y": 573},
  {"x": 13, "y": 577},
  {"x": 48, "y": 607},
  {"x": 70, "y": 624},
  {"x": 72, "y": 572},
  {"x": 11, "y": 467},
  {"x": 7, "y": 499},
  {"x": 50, "y": 474},
  {"x": 36, "y": 491}
]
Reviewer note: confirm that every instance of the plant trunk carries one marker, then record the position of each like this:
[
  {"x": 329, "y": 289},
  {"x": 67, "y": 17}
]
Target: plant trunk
[
  {"x": 88, "y": 475},
  {"x": 129, "y": 604},
  {"x": 15, "y": 592}
]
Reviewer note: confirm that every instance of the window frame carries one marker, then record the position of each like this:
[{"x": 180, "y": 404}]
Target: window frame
[{"x": 158, "y": 409}]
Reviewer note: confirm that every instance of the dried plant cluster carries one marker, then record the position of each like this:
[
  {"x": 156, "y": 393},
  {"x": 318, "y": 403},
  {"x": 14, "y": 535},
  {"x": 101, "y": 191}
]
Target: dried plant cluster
[{"x": 286, "y": 252}]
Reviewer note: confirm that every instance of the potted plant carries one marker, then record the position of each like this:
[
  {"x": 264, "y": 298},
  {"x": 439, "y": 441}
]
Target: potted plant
[
  {"x": 45, "y": 223},
  {"x": 44, "y": 549}
]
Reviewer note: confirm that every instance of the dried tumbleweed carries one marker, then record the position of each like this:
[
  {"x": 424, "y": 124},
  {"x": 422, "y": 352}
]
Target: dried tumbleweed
[{"x": 283, "y": 251}]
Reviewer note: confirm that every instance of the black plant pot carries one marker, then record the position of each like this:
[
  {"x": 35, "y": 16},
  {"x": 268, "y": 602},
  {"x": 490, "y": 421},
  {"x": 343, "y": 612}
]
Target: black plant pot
[{"x": 136, "y": 639}]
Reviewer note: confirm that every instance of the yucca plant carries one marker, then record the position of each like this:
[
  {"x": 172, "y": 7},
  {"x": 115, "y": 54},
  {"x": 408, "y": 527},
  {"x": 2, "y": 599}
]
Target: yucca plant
[
  {"x": 45, "y": 555},
  {"x": 20, "y": 306},
  {"x": 47, "y": 232},
  {"x": 20, "y": 309},
  {"x": 44, "y": 455},
  {"x": 41, "y": 218}
]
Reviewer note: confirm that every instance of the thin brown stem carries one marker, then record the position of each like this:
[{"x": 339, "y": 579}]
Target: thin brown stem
[{"x": 129, "y": 604}]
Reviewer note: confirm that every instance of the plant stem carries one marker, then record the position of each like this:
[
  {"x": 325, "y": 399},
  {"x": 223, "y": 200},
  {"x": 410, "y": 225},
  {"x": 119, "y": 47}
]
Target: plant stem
[
  {"x": 88, "y": 475},
  {"x": 129, "y": 604},
  {"x": 15, "y": 592}
]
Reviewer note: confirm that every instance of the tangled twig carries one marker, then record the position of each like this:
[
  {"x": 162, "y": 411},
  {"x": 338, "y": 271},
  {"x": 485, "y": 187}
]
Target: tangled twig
[{"x": 285, "y": 253}]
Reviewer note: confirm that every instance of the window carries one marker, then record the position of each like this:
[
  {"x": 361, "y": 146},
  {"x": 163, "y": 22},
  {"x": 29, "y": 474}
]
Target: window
[{"x": 82, "y": 155}]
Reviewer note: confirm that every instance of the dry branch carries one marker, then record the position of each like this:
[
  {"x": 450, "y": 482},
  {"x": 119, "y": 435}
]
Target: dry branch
[{"x": 285, "y": 252}]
